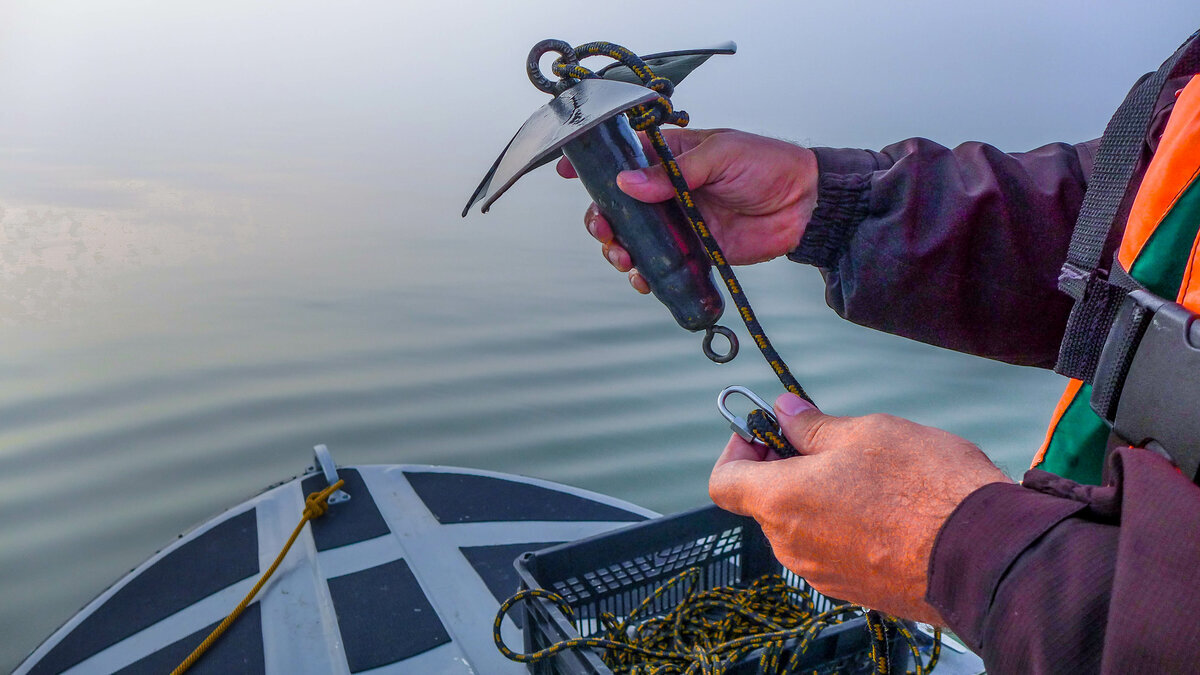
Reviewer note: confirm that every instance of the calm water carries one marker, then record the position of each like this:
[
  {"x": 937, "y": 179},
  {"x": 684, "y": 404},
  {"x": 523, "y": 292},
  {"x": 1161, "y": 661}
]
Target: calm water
[{"x": 227, "y": 234}]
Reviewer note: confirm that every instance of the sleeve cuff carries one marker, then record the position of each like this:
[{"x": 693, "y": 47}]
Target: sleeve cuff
[
  {"x": 850, "y": 161},
  {"x": 977, "y": 545},
  {"x": 843, "y": 201}
]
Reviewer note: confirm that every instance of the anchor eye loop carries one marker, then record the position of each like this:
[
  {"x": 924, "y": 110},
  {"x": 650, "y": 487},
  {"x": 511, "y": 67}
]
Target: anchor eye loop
[
  {"x": 533, "y": 65},
  {"x": 708, "y": 348}
]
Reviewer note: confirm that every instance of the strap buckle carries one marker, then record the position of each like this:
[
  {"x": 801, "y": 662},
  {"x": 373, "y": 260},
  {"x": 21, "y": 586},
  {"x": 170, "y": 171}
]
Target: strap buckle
[
  {"x": 1098, "y": 296},
  {"x": 1147, "y": 384}
]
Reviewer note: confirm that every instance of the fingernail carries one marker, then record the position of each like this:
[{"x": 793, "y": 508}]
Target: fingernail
[
  {"x": 612, "y": 257},
  {"x": 590, "y": 224},
  {"x": 790, "y": 404},
  {"x": 632, "y": 177},
  {"x": 637, "y": 282}
]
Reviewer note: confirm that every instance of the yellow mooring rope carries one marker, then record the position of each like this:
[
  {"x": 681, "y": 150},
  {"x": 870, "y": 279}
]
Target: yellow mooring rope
[
  {"x": 315, "y": 506},
  {"x": 708, "y": 631}
]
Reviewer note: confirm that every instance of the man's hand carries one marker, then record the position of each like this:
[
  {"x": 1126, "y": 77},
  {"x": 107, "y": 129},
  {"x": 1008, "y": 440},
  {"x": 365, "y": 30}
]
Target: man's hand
[
  {"x": 857, "y": 513},
  {"x": 756, "y": 193}
]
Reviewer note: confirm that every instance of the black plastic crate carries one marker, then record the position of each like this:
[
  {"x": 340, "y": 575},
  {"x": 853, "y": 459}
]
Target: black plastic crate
[{"x": 614, "y": 572}]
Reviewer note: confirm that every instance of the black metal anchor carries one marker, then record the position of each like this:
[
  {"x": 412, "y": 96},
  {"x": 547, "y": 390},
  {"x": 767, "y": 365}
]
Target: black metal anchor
[{"x": 586, "y": 122}]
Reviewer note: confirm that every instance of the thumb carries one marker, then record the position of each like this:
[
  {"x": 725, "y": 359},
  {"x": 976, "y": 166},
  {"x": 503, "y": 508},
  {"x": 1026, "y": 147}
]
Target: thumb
[
  {"x": 649, "y": 185},
  {"x": 805, "y": 427},
  {"x": 652, "y": 183}
]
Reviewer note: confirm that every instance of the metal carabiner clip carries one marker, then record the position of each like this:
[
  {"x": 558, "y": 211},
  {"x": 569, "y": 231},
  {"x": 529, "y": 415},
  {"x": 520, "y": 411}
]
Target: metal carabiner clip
[{"x": 739, "y": 424}]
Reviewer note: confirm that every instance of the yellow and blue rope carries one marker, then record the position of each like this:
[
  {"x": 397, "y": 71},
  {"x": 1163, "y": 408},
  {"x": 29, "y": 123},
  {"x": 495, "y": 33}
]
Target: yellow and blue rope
[
  {"x": 707, "y": 632},
  {"x": 648, "y": 117}
]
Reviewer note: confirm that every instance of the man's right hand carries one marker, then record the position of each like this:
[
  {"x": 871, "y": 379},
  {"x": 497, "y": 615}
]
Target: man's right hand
[{"x": 756, "y": 193}]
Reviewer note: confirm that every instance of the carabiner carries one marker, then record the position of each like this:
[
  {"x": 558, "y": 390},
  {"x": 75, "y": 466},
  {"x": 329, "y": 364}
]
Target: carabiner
[{"x": 739, "y": 424}]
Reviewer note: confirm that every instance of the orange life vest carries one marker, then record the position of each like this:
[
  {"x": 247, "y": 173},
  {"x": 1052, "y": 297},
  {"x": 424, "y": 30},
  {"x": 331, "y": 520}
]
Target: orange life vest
[{"x": 1160, "y": 249}]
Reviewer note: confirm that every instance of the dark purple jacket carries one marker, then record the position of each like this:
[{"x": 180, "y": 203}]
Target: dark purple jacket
[{"x": 961, "y": 248}]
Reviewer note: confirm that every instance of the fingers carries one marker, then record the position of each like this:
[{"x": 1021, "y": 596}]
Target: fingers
[
  {"x": 737, "y": 450},
  {"x": 738, "y": 476},
  {"x": 617, "y": 257},
  {"x": 638, "y": 282},
  {"x": 649, "y": 185},
  {"x": 565, "y": 169},
  {"x": 597, "y": 226},
  {"x": 809, "y": 430}
]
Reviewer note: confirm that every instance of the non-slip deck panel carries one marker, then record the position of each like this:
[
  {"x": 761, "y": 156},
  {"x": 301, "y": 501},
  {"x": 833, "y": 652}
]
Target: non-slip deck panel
[
  {"x": 224, "y": 555},
  {"x": 384, "y": 616},
  {"x": 494, "y": 564},
  {"x": 240, "y": 650},
  {"x": 466, "y": 498},
  {"x": 346, "y": 522}
]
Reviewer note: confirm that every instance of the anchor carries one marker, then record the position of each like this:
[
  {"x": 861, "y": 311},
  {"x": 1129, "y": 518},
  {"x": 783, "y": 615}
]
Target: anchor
[{"x": 588, "y": 121}]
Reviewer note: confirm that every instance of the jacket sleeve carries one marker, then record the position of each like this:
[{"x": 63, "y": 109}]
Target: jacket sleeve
[
  {"x": 1056, "y": 577},
  {"x": 959, "y": 248}
]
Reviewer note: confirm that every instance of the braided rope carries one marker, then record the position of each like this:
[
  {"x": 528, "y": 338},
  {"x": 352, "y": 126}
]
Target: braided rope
[
  {"x": 315, "y": 506},
  {"x": 648, "y": 117},
  {"x": 707, "y": 631}
]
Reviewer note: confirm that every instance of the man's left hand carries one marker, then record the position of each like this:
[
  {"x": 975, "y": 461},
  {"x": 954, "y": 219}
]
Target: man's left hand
[{"x": 858, "y": 512}]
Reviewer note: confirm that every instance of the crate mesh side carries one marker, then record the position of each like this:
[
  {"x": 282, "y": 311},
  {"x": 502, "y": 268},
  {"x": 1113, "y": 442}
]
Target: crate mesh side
[
  {"x": 821, "y": 602},
  {"x": 724, "y": 553},
  {"x": 620, "y": 587}
]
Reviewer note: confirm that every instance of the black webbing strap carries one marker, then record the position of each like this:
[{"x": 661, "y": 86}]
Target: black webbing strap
[
  {"x": 1097, "y": 297},
  {"x": 1129, "y": 325}
]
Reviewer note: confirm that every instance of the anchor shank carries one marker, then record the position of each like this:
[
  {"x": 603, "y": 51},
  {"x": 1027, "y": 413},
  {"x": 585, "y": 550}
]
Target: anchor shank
[{"x": 665, "y": 250}]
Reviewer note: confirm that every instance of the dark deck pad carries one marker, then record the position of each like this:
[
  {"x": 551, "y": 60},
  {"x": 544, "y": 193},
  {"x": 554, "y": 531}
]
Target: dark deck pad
[
  {"x": 494, "y": 564},
  {"x": 384, "y": 616},
  {"x": 224, "y": 555},
  {"x": 465, "y": 498},
  {"x": 348, "y": 522},
  {"x": 240, "y": 650}
]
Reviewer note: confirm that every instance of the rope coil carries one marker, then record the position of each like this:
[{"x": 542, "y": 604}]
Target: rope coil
[{"x": 708, "y": 632}]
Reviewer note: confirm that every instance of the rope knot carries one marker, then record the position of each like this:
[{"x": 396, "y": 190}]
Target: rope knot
[
  {"x": 656, "y": 113},
  {"x": 317, "y": 503},
  {"x": 569, "y": 71},
  {"x": 662, "y": 85}
]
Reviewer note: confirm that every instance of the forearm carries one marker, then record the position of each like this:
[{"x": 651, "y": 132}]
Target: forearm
[
  {"x": 958, "y": 248},
  {"x": 1059, "y": 577}
]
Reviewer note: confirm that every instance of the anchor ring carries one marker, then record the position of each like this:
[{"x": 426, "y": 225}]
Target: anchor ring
[
  {"x": 533, "y": 65},
  {"x": 707, "y": 344}
]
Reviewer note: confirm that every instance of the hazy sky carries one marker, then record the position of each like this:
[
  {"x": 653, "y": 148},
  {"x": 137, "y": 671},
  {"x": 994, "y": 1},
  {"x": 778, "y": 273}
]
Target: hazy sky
[
  {"x": 139, "y": 132},
  {"x": 124, "y": 82}
]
